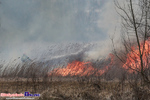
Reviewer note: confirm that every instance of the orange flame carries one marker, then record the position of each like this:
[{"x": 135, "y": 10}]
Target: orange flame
[
  {"x": 133, "y": 62},
  {"x": 77, "y": 68}
]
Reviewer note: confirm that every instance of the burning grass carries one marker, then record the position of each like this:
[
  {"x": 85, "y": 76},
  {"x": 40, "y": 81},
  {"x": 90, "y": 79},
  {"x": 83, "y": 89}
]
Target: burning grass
[
  {"x": 79, "y": 80},
  {"x": 133, "y": 62},
  {"x": 77, "y": 68}
]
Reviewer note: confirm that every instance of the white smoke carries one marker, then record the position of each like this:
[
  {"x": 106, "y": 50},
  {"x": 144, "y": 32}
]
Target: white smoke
[{"x": 46, "y": 31}]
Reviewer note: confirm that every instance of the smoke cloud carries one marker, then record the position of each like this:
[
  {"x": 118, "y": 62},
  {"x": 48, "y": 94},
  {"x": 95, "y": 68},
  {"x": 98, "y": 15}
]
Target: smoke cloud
[{"x": 35, "y": 26}]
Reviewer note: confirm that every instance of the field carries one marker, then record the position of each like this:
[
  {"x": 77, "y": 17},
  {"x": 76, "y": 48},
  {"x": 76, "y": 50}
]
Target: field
[{"x": 76, "y": 89}]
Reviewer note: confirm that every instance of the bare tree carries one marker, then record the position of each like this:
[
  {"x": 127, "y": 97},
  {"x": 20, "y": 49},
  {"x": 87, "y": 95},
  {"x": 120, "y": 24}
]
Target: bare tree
[{"x": 135, "y": 17}]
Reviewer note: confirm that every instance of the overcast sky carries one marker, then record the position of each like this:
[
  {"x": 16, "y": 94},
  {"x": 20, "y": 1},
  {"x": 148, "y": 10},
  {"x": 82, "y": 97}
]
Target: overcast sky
[{"x": 26, "y": 22}]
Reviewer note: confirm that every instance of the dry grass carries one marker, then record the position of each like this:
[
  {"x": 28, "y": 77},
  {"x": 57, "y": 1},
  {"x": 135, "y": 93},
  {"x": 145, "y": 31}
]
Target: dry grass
[
  {"x": 35, "y": 80},
  {"x": 74, "y": 90}
]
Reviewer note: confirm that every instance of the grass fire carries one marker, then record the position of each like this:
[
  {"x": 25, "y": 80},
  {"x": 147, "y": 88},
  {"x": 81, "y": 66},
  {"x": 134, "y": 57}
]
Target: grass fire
[
  {"x": 78, "y": 68},
  {"x": 75, "y": 49}
]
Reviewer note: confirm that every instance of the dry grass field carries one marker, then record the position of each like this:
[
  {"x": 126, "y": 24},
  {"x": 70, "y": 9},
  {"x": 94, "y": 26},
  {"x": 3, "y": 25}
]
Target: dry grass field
[{"x": 76, "y": 89}]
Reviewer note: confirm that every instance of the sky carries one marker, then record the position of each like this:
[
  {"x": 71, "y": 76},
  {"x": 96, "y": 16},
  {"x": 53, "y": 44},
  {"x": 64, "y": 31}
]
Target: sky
[{"x": 28, "y": 24}]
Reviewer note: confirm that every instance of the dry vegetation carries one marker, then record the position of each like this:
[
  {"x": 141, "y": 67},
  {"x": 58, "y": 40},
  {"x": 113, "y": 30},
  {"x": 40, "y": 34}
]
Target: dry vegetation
[
  {"x": 76, "y": 89},
  {"x": 31, "y": 78},
  {"x": 35, "y": 79}
]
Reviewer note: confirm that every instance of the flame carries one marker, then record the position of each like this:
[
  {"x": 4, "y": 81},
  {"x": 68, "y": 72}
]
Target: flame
[
  {"x": 78, "y": 68},
  {"x": 133, "y": 62}
]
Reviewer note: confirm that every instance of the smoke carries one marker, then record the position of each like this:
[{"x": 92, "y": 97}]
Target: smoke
[
  {"x": 109, "y": 22},
  {"x": 44, "y": 29},
  {"x": 100, "y": 51}
]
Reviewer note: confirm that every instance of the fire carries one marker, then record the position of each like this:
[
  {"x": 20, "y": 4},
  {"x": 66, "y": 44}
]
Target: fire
[
  {"x": 133, "y": 62},
  {"x": 78, "y": 68}
]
